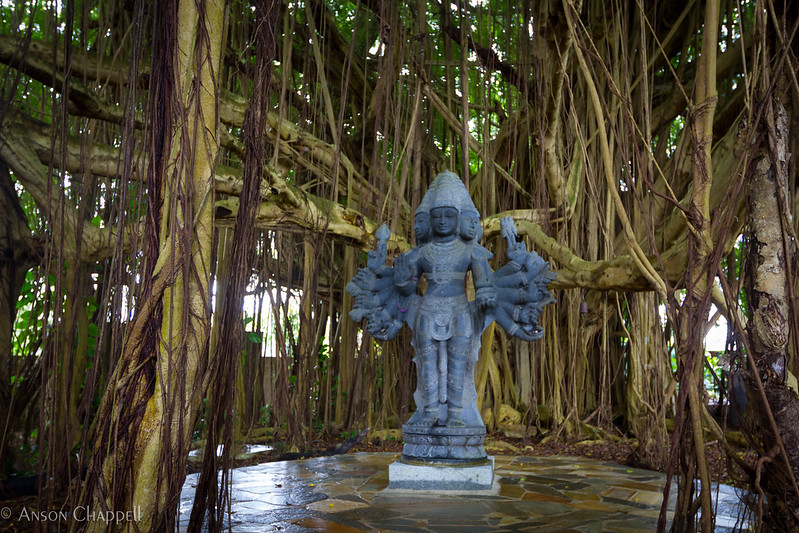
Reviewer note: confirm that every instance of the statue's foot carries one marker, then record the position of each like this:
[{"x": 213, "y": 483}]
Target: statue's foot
[
  {"x": 428, "y": 420},
  {"x": 455, "y": 419}
]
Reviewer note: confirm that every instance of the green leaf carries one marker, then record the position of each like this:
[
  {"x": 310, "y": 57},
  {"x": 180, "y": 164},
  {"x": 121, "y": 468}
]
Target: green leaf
[
  {"x": 92, "y": 330},
  {"x": 91, "y": 305},
  {"x": 254, "y": 337},
  {"x": 97, "y": 221}
]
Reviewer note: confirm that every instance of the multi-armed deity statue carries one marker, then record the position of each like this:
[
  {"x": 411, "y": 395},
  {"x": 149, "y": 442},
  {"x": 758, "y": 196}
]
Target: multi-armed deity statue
[{"x": 446, "y": 427}]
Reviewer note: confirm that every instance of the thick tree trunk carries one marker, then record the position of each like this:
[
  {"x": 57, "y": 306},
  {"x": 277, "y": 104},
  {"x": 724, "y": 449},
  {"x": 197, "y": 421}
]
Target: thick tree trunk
[
  {"x": 769, "y": 330},
  {"x": 154, "y": 423},
  {"x": 168, "y": 422}
]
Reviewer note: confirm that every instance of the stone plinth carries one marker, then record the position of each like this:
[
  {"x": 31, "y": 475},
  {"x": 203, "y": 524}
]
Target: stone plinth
[
  {"x": 443, "y": 445},
  {"x": 434, "y": 477}
]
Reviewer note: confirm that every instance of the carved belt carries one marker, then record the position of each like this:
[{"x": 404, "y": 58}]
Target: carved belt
[{"x": 443, "y": 317}]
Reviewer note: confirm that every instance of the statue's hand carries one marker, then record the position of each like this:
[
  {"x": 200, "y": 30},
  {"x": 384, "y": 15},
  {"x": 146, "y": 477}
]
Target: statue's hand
[
  {"x": 523, "y": 335},
  {"x": 374, "y": 260},
  {"x": 381, "y": 325},
  {"x": 364, "y": 278},
  {"x": 485, "y": 298},
  {"x": 366, "y": 300},
  {"x": 377, "y": 258},
  {"x": 403, "y": 271},
  {"x": 508, "y": 230},
  {"x": 529, "y": 315},
  {"x": 518, "y": 253},
  {"x": 531, "y": 334},
  {"x": 507, "y": 227}
]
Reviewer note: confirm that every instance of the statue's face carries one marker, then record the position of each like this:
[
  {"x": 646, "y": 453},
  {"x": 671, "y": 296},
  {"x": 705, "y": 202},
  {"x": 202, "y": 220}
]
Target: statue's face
[
  {"x": 469, "y": 225},
  {"x": 421, "y": 227},
  {"x": 443, "y": 221}
]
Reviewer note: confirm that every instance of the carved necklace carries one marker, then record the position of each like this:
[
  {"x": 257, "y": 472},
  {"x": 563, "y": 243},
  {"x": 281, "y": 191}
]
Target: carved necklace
[{"x": 442, "y": 257}]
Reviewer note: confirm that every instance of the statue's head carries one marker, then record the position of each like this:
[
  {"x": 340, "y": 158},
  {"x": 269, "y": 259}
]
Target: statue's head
[
  {"x": 444, "y": 221},
  {"x": 470, "y": 227},
  {"x": 421, "y": 227},
  {"x": 446, "y": 195}
]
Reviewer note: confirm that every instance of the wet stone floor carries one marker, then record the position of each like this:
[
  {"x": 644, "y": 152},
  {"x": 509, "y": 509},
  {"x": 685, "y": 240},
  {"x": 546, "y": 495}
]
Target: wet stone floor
[{"x": 347, "y": 493}]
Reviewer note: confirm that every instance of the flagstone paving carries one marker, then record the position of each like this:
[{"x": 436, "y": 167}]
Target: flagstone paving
[{"x": 348, "y": 493}]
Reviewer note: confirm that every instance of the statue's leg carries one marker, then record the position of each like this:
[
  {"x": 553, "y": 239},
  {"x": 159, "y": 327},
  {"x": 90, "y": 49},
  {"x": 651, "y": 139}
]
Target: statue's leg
[
  {"x": 459, "y": 350},
  {"x": 427, "y": 355},
  {"x": 442, "y": 383}
]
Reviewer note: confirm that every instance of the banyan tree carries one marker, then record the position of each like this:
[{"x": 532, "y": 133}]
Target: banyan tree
[{"x": 187, "y": 186}]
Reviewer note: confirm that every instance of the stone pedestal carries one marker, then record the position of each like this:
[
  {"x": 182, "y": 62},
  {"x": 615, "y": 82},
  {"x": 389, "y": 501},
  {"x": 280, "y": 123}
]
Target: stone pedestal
[
  {"x": 440, "y": 477},
  {"x": 443, "y": 446}
]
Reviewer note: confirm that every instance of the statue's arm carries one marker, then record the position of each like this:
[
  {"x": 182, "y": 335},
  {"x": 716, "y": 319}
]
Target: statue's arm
[
  {"x": 384, "y": 282},
  {"x": 515, "y": 280},
  {"x": 406, "y": 272},
  {"x": 377, "y": 259},
  {"x": 502, "y": 316},
  {"x": 509, "y": 268},
  {"x": 485, "y": 294}
]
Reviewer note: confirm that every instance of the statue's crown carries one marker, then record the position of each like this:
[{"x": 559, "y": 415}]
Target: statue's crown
[{"x": 447, "y": 190}]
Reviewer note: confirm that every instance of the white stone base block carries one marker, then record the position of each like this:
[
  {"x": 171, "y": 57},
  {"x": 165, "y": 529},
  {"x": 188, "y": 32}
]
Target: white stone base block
[{"x": 441, "y": 477}]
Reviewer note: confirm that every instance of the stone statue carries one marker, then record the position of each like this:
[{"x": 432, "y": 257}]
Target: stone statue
[{"x": 446, "y": 427}]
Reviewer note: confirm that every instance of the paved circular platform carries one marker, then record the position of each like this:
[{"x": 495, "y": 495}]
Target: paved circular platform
[{"x": 347, "y": 493}]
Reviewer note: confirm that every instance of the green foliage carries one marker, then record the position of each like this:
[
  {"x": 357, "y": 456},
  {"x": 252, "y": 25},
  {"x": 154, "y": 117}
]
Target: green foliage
[
  {"x": 351, "y": 434},
  {"x": 733, "y": 265},
  {"x": 323, "y": 355},
  {"x": 29, "y": 320},
  {"x": 266, "y": 415},
  {"x": 317, "y": 423},
  {"x": 675, "y": 131},
  {"x": 41, "y": 21},
  {"x": 712, "y": 387},
  {"x": 672, "y": 356},
  {"x": 379, "y": 379}
]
